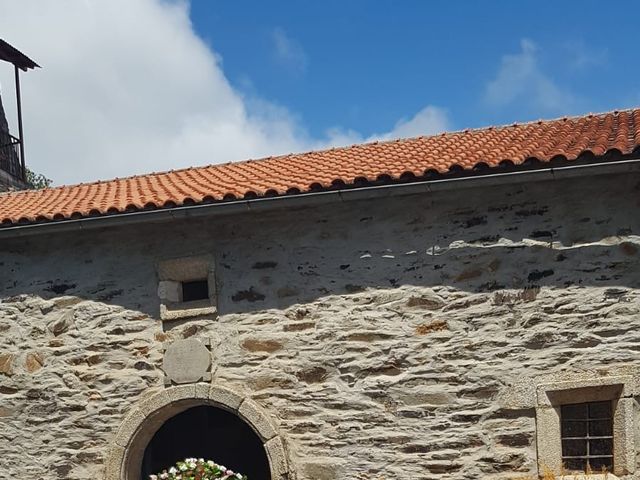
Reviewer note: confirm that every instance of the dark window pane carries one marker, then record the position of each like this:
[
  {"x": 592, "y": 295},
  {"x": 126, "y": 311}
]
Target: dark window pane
[
  {"x": 571, "y": 448},
  {"x": 600, "y": 428},
  {"x": 574, "y": 428},
  {"x": 583, "y": 427},
  {"x": 598, "y": 463},
  {"x": 601, "y": 446},
  {"x": 573, "y": 464},
  {"x": 577, "y": 411},
  {"x": 197, "y": 290},
  {"x": 600, "y": 410}
]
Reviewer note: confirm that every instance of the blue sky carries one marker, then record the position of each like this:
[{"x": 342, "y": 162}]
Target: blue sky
[
  {"x": 131, "y": 87},
  {"x": 365, "y": 64}
]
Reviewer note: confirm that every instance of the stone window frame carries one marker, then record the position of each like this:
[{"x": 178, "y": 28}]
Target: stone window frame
[
  {"x": 172, "y": 273},
  {"x": 126, "y": 451},
  {"x": 549, "y": 398}
]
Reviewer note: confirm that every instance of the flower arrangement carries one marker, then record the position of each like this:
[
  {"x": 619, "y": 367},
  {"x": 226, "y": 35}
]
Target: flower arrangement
[{"x": 197, "y": 469}]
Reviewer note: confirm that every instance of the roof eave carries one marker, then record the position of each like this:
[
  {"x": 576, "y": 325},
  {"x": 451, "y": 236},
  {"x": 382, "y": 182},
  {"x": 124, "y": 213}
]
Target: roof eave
[
  {"x": 11, "y": 54},
  {"x": 260, "y": 205}
]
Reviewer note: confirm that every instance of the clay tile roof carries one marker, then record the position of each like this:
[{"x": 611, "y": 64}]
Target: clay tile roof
[{"x": 415, "y": 159}]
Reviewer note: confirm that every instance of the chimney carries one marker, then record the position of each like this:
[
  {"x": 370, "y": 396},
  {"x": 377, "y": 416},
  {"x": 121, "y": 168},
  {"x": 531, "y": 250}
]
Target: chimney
[{"x": 13, "y": 173}]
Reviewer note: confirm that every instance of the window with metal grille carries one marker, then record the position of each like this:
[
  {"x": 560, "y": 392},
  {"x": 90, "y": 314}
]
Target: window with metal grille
[{"x": 587, "y": 436}]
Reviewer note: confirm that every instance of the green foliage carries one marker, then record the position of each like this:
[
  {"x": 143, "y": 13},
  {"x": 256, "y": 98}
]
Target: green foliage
[{"x": 36, "y": 181}]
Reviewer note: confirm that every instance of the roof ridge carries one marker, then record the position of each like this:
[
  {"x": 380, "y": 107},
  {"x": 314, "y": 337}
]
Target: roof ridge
[{"x": 323, "y": 150}]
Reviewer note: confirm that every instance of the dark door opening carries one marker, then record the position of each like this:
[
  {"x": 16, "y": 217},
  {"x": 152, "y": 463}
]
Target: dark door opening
[{"x": 210, "y": 433}]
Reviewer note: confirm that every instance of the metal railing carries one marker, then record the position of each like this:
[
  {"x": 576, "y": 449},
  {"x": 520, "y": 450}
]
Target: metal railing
[{"x": 10, "y": 160}]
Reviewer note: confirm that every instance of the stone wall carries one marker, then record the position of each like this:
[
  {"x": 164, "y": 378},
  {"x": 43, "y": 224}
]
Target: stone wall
[{"x": 392, "y": 339}]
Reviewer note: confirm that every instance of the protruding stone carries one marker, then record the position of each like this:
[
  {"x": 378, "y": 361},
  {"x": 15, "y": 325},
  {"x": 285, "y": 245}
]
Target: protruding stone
[
  {"x": 33, "y": 362},
  {"x": 322, "y": 468},
  {"x": 268, "y": 346},
  {"x": 61, "y": 324},
  {"x": 6, "y": 363},
  {"x": 313, "y": 374},
  {"x": 427, "y": 301}
]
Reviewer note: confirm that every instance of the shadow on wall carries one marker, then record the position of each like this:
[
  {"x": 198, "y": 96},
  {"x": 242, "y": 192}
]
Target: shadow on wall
[{"x": 507, "y": 241}]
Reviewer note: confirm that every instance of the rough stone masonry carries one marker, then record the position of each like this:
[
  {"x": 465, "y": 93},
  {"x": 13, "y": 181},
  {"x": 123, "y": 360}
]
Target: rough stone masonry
[{"x": 398, "y": 338}]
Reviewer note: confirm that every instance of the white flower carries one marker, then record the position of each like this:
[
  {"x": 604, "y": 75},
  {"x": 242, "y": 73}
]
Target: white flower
[{"x": 179, "y": 471}]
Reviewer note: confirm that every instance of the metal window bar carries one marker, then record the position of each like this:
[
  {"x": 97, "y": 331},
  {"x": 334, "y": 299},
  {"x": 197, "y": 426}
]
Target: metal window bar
[
  {"x": 10, "y": 160},
  {"x": 588, "y": 438}
]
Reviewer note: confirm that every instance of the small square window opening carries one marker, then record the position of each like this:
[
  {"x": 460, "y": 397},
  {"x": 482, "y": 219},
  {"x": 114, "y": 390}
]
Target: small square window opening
[
  {"x": 587, "y": 436},
  {"x": 195, "y": 290},
  {"x": 187, "y": 287}
]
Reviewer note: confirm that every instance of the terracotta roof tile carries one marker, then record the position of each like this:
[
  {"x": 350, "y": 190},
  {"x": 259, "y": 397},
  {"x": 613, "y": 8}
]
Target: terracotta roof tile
[{"x": 413, "y": 158}]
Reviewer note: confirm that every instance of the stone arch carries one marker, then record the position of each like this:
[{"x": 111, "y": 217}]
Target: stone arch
[{"x": 125, "y": 454}]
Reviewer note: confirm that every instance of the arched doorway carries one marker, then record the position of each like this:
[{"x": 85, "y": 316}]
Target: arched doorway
[
  {"x": 154, "y": 428},
  {"x": 210, "y": 433}
]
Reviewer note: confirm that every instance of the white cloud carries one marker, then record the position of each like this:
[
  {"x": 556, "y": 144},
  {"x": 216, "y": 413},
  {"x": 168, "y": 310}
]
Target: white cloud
[
  {"x": 520, "y": 79},
  {"x": 582, "y": 56},
  {"x": 428, "y": 121},
  {"x": 128, "y": 87},
  {"x": 288, "y": 51}
]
